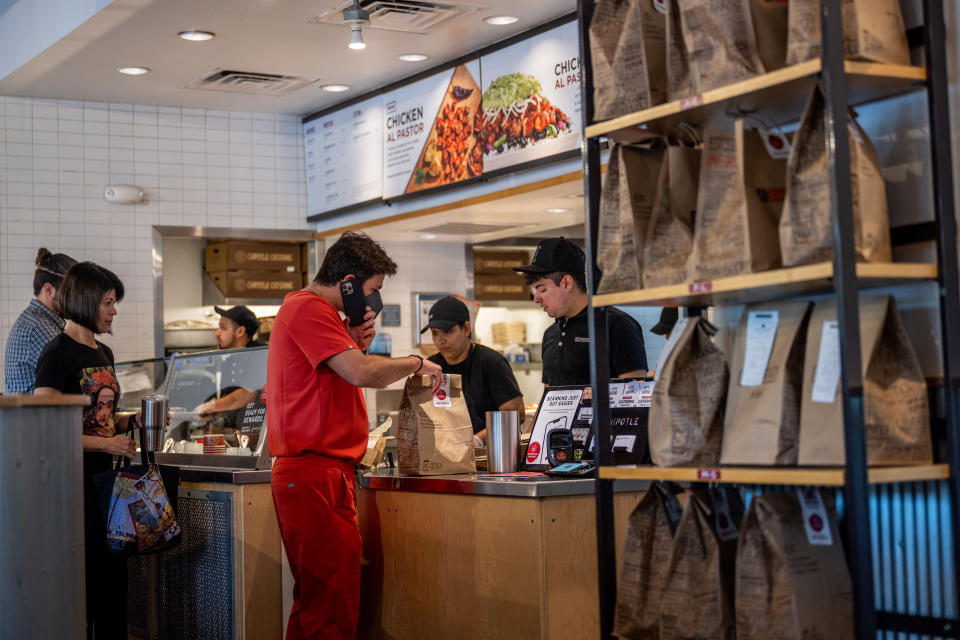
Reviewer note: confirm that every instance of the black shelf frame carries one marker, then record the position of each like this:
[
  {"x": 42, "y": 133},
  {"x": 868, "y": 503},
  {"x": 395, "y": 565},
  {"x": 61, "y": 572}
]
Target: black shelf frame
[{"x": 867, "y": 619}]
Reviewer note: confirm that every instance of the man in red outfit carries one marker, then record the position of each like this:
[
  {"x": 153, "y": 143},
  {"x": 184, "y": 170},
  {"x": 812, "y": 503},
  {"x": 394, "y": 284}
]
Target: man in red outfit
[{"x": 318, "y": 432}]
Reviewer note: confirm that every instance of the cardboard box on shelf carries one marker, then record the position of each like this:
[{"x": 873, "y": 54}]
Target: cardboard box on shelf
[
  {"x": 232, "y": 255},
  {"x": 499, "y": 262},
  {"x": 256, "y": 284},
  {"x": 500, "y": 287}
]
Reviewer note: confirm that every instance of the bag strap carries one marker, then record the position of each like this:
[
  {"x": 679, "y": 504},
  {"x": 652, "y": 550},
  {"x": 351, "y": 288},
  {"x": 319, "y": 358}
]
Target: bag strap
[{"x": 146, "y": 457}]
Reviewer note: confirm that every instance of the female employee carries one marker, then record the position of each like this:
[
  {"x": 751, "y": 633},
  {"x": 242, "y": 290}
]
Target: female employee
[
  {"x": 488, "y": 381},
  {"x": 76, "y": 362}
]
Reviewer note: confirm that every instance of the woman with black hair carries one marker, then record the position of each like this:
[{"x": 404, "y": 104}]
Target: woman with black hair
[
  {"x": 37, "y": 325},
  {"x": 76, "y": 362}
]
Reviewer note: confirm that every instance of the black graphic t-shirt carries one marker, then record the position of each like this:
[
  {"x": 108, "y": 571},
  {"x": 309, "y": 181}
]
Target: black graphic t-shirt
[{"x": 74, "y": 368}]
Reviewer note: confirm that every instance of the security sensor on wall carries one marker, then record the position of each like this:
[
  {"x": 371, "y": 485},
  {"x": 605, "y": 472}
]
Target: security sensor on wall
[{"x": 123, "y": 194}]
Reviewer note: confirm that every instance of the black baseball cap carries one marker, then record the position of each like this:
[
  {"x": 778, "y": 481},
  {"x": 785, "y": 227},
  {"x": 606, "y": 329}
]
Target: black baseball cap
[
  {"x": 668, "y": 318},
  {"x": 242, "y": 316},
  {"x": 446, "y": 313},
  {"x": 555, "y": 254}
]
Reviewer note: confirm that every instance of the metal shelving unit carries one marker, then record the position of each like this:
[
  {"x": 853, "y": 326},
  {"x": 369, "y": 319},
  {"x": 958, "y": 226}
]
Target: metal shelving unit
[{"x": 782, "y": 94}]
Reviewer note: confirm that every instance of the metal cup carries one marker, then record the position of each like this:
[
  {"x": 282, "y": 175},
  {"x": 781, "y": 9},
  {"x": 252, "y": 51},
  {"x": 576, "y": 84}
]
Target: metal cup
[
  {"x": 154, "y": 410},
  {"x": 503, "y": 440}
]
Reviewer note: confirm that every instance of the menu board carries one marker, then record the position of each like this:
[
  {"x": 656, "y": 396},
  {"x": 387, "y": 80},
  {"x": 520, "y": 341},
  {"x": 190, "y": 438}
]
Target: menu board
[
  {"x": 531, "y": 99},
  {"x": 343, "y": 156},
  {"x": 427, "y": 130}
]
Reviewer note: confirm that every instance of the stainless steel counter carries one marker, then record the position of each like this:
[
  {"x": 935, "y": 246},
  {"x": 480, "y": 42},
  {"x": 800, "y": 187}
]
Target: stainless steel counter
[
  {"x": 529, "y": 486},
  {"x": 225, "y": 476}
]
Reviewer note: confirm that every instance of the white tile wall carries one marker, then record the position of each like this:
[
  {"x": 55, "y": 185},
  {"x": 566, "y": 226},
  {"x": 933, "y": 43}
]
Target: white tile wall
[{"x": 197, "y": 167}]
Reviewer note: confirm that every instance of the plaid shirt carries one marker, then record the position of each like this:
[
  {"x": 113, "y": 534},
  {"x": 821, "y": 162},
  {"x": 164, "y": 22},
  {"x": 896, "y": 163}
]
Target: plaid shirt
[{"x": 31, "y": 332}]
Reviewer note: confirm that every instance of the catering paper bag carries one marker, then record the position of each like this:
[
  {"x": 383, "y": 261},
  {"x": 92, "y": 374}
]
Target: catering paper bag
[
  {"x": 762, "y": 422},
  {"x": 686, "y": 411},
  {"x": 626, "y": 202},
  {"x": 434, "y": 435},
  {"x": 644, "y": 575},
  {"x": 669, "y": 238},
  {"x": 872, "y": 30},
  {"x": 627, "y": 50},
  {"x": 806, "y": 229},
  {"x": 739, "y": 202},
  {"x": 792, "y": 581},
  {"x": 679, "y": 84},
  {"x": 720, "y": 42},
  {"x": 896, "y": 410},
  {"x": 698, "y": 597},
  {"x": 770, "y": 21}
]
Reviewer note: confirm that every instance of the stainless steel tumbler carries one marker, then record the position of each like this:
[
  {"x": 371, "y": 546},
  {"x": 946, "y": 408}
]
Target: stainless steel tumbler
[
  {"x": 154, "y": 420},
  {"x": 503, "y": 440}
]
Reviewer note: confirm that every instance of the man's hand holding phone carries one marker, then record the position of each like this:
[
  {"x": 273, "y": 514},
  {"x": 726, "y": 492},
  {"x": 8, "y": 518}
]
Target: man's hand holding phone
[{"x": 363, "y": 334}]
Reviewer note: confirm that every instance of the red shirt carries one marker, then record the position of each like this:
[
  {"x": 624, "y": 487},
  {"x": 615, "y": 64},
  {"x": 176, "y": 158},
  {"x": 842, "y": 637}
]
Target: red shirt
[{"x": 311, "y": 409}]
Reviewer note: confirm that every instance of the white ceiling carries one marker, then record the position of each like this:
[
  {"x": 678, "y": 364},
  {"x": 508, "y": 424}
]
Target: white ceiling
[{"x": 265, "y": 36}]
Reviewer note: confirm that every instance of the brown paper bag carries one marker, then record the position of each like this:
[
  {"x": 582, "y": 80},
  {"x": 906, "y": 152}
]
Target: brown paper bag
[
  {"x": 770, "y": 20},
  {"x": 678, "y": 60},
  {"x": 627, "y": 49},
  {"x": 720, "y": 42},
  {"x": 698, "y": 597},
  {"x": 872, "y": 30},
  {"x": 669, "y": 238},
  {"x": 644, "y": 574},
  {"x": 896, "y": 410},
  {"x": 786, "y": 587},
  {"x": 686, "y": 413},
  {"x": 739, "y": 201},
  {"x": 762, "y": 422},
  {"x": 629, "y": 189},
  {"x": 806, "y": 229},
  {"x": 434, "y": 435}
]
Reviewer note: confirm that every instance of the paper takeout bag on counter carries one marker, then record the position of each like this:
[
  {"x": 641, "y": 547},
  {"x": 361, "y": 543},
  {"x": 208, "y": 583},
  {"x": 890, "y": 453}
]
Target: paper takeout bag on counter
[
  {"x": 669, "y": 238},
  {"x": 896, "y": 409},
  {"x": 762, "y": 422},
  {"x": 649, "y": 537},
  {"x": 720, "y": 42},
  {"x": 806, "y": 225},
  {"x": 685, "y": 422},
  {"x": 434, "y": 435},
  {"x": 629, "y": 189},
  {"x": 627, "y": 50},
  {"x": 739, "y": 201},
  {"x": 791, "y": 584},
  {"x": 697, "y": 600},
  {"x": 872, "y": 30}
]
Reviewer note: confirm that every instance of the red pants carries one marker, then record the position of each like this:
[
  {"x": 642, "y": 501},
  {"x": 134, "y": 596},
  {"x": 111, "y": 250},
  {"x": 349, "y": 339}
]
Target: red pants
[{"x": 316, "y": 507}]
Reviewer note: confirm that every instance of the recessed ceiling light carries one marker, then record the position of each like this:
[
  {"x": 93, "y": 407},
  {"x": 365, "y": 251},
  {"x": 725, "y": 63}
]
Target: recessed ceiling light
[
  {"x": 133, "y": 71},
  {"x": 428, "y": 236},
  {"x": 196, "y": 36},
  {"x": 412, "y": 57},
  {"x": 336, "y": 88},
  {"x": 558, "y": 210},
  {"x": 500, "y": 20}
]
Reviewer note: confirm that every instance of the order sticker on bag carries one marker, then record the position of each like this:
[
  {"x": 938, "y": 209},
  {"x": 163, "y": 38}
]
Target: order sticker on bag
[
  {"x": 777, "y": 144},
  {"x": 827, "y": 375},
  {"x": 442, "y": 399},
  {"x": 761, "y": 333},
  {"x": 814, "y": 517}
]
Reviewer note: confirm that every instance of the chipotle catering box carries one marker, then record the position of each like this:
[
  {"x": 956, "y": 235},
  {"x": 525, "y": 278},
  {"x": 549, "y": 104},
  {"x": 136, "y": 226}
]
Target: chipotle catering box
[
  {"x": 257, "y": 284},
  {"x": 231, "y": 255},
  {"x": 505, "y": 287}
]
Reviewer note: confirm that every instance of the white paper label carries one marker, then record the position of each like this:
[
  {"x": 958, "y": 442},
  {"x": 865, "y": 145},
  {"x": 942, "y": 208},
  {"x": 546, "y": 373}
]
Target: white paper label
[
  {"x": 442, "y": 399},
  {"x": 672, "y": 341},
  {"x": 723, "y": 522},
  {"x": 585, "y": 415},
  {"x": 624, "y": 442},
  {"x": 616, "y": 392},
  {"x": 777, "y": 144},
  {"x": 761, "y": 333},
  {"x": 827, "y": 375},
  {"x": 631, "y": 393},
  {"x": 814, "y": 517},
  {"x": 660, "y": 5},
  {"x": 645, "y": 397}
]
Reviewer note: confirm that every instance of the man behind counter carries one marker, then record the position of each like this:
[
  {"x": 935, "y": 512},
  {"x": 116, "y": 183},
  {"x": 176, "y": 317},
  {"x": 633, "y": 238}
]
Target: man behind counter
[
  {"x": 558, "y": 277},
  {"x": 237, "y": 328},
  {"x": 488, "y": 381}
]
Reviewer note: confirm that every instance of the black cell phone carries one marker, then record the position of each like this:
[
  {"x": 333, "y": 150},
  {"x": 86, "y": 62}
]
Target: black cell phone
[{"x": 355, "y": 303}]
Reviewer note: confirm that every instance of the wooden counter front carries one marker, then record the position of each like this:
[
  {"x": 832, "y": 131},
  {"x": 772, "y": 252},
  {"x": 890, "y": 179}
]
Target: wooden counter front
[{"x": 440, "y": 565}]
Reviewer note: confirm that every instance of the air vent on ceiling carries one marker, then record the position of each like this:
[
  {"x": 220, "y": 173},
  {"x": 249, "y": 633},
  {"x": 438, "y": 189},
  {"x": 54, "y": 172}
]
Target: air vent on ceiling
[
  {"x": 411, "y": 16},
  {"x": 247, "y": 82},
  {"x": 463, "y": 229}
]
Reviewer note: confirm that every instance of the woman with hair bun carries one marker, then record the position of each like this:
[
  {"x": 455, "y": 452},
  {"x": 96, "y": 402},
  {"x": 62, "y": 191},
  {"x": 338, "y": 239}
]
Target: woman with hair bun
[{"x": 39, "y": 323}]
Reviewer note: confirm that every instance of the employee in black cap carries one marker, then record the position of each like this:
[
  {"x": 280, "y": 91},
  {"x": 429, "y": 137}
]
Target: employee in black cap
[
  {"x": 237, "y": 328},
  {"x": 558, "y": 277},
  {"x": 488, "y": 381}
]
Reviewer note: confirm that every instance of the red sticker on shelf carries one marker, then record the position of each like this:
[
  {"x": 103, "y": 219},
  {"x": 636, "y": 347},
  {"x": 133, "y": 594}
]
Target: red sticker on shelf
[
  {"x": 701, "y": 287},
  {"x": 532, "y": 452},
  {"x": 692, "y": 101},
  {"x": 708, "y": 474}
]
